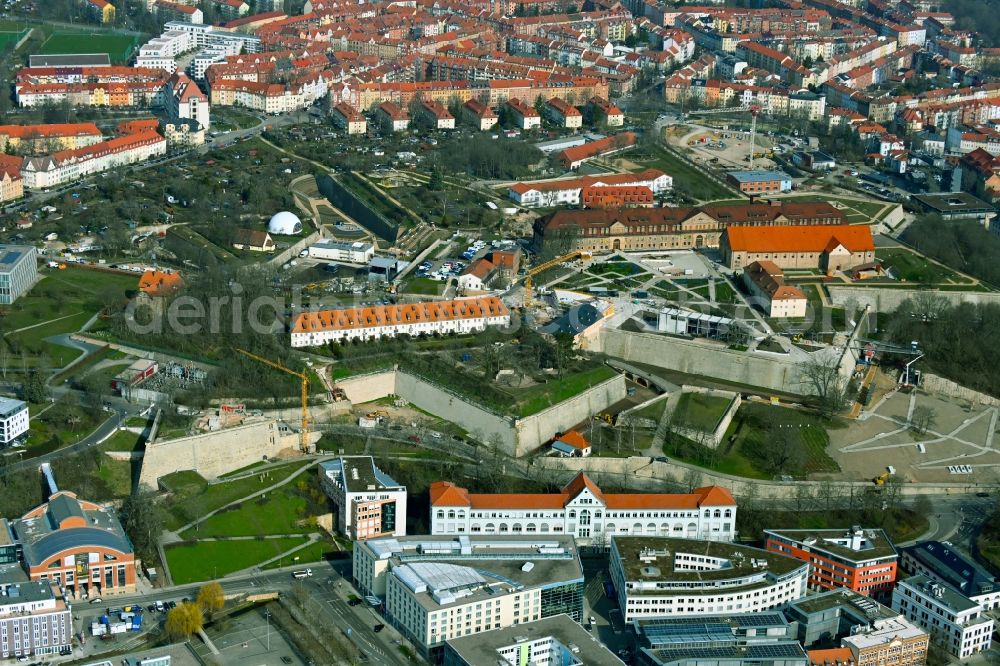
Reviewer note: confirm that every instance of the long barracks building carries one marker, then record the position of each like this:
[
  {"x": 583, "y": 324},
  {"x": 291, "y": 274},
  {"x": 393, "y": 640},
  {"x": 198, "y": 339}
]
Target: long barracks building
[{"x": 637, "y": 229}]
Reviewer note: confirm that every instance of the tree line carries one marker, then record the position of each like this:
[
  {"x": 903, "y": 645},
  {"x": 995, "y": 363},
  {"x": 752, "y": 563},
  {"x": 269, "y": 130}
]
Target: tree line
[{"x": 964, "y": 245}]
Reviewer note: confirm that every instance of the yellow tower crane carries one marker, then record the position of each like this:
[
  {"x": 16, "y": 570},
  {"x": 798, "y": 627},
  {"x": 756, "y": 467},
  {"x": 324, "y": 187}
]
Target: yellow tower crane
[
  {"x": 304, "y": 439},
  {"x": 541, "y": 268}
]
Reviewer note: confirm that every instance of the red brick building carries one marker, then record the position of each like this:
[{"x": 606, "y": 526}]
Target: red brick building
[{"x": 862, "y": 560}]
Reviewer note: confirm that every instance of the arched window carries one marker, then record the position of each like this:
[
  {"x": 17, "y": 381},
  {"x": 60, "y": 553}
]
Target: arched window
[
  {"x": 516, "y": 529},
  {"x": 503, "y": 528},
  {"x": 585, "y": 517},
  {"x": 572, "y": 513},
  {"x": 440, "y": 513},
  {"x": 637, "y": 529},
  {"x": 545, "y": 528},
  {"x": 490, "y": 528},
  {"x": 651, "y": 529},
  {"x": 610, "y": 528},
  {"x": 531, "y": 528},
  {"x": 717, "y": 514},
  {"x": 729, "y": 513},
  {"x": 451, "y": 514}
]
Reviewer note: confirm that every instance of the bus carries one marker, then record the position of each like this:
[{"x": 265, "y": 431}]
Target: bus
[{"x": 302, "y": 573}]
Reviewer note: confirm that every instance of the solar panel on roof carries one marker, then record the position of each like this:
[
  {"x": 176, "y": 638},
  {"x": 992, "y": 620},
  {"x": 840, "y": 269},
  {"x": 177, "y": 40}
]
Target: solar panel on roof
[{"x": 10, "y": 257}]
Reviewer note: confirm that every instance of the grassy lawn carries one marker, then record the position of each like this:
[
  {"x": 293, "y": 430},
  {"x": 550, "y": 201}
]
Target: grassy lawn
[
  {"x": 908, "y": 266},
  {"x": 9, "y": 37},
  {"x": 118, "y": 47},
  {"x": 316, "y": 552},
  {"x": 536, "y": 398},
  {"x": 193, "y": 498},
  {"x": 230, "y": 119},
  {"x": 724, "y": 293},
  {"x": 687, "y": 178},
  {"x": 17, "y": 25},
  {"x": 275, "y": 514},
  {"x": 700, "y": 411},
  {"x": 124, "y": 440},
  {"x": 190, "y": 563},
  {"x": 425, "y": 286},
  {"x": 616, "y": 268},
  {"x": 812, "y": 430}
]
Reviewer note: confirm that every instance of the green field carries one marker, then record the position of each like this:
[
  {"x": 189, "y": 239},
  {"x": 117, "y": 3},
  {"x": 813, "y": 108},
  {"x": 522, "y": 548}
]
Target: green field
[
  {"x": 9, "y": 38},
  {"x": 687, "y": 178},
  {"x": 275, "y": 514},
  {"x": 700, "y": 411},
  {"x": 536, "y": 398},
  {"x": 118, "y": 47},
  {"x": 190, "y": 563},
  {"x": 908, "y": 266}
]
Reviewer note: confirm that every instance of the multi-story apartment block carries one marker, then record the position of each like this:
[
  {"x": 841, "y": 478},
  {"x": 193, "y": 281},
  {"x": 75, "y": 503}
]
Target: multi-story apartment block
[
  {"x": 464, "y": 315},
  {"x": 67, "y": 166},
  {"x": 479, "y": 115},
  {"x": 370, "y": 503},
  {"x": 35, "y": 619},
  {"x": 437, "y": 115},
  {"x": 941, "y": 562},
  {"x": 955, "y": 622},
  {"x": 184, "y": 100},
  {"x": 583, "y": 511},
  {"x": 177, "y": 11},
  {"x": 563, "y": 114},
  {"x": 349, "y": 119},
  {"x": 18, "y": 271},
  {"x": 862, "y": 560},
  {"x": 524, "y": 115},
  {"x": 662, "y": 576},
  {"x": 13, "y": 419},
  {"x": 439, "y": 588},
  {"x": 11, "y": 182},
  {"x": 34, "y": 139},
  {"x": 392, "y": 117},
  {"x": 606, "y": 113},
  {"x": 569, "y": 192}
]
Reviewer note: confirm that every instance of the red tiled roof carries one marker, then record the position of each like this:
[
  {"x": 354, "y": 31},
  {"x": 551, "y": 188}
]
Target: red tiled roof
[
  {"x": 387, "y": 315},
  {"x": 806, "y": 238},
  {"x": 574, "y": 439}
]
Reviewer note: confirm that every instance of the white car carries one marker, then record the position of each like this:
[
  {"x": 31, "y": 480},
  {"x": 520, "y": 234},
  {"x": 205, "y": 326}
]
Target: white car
[{"x": 304, "y": 253}]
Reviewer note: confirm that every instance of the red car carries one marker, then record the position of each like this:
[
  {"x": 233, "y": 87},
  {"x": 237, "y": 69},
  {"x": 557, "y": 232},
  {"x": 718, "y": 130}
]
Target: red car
[{"x": 414, "y": 438}]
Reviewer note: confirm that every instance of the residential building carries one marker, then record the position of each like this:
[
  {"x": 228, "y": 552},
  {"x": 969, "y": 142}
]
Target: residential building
[
  {"x": 571, "y": 444},
  {"x": 14, "y": 419},
  {"x": 606, "y": 113},
  {"x": 563, "y": 114},
  {"x": 830, "y": 248},
  {"x": 357, "y": 252},
  {"x": 254, "y": 240},
  {"x": 11, "y": 182},
  {"x": 156, "y": 283},
  {"x": 524, "y": 116},
  {"x": 480, "y": 115},
  {"x": 392, "y": 117},
  {"x": 766, "y": 284},
  {"x": 760, "y": 182},
  {"x": 552, "y": 641},
  {"x": 77, "y": 544},
  {"x": 869, "y": 633},
  {"x": 569, "y": 191},
  {"x": 862, "y": 560},
  {"x": 630, "y": 230},
  {"x": 573, "y": 157},
  {"x": 183, "y": 133},
  {"x": 466, "y": 315},
  {"x": 67, "y": 166},
  {"x": 437, "y": 115},
  {"x": 662, "y": 576},
  {"x": 35, "y": 619},
  {"x": 176, "y": 11},
  {"x": 185, "y": 100},
  {"x": 814, "y": 160},
  {"x": 583, "y": 511},
  {"x": 103, "y": 10},
  {"x": 941, "y": 562},
  {"x": 349, "y": 119},
  {"x": 369, "y": 503},
  {"x": 18, "y": 271},
  {"x": 627, "y": 196},
  {"x": 960, "y": 625},
  {"x": 476, "y": 276},
  {"x": 41, "y": 139},
  {"x": 439, "y": 588}
]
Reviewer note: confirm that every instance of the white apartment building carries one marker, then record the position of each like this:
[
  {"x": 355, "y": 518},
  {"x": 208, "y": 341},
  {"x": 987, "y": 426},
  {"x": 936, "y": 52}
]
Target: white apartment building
[
  {"x": 660, "y": 576},
  {"x": 583, "y": 511},
  {"x": 35, "y": 620},
  {"x": 957, "y": 623},
  {"x": 70, "y": 165},
  {"x": 18, "y": 271},
  {"x": 352, "y": 253},
  {"x": 464, "y": 315},
  {"x": 563, "y": 114},
  {"x": 369, "y": 502},
  {"x": 569, "y": 191},
  {"x": 13, "y": 419},
  {"x": 436, "y": 589}
]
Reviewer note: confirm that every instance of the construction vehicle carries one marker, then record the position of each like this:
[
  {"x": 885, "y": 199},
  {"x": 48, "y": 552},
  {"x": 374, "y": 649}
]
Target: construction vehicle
[
  {"x": 377, "y": 414},
  {"x": 607, "y": 418},
  {"x": 541, "y": 268},
  {"x": 304, "y": 433},
  {"x": 884, "y": 476}
]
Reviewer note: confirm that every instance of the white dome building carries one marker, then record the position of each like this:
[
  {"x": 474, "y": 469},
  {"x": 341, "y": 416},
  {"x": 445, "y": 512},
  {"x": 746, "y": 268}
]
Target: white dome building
[{"x": 285, "y": 223}]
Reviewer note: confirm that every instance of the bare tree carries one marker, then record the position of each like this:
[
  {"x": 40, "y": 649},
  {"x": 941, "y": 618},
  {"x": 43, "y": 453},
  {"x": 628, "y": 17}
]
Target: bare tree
[
  {"x": 692, "y": 479},
  {"x": 823, "y": 379},
  {"x": 922, "y": 419}
]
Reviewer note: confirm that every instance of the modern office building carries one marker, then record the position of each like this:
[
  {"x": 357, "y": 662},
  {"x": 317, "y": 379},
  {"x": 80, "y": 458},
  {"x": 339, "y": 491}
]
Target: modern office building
[
  {"x": 369, "y": 503},
  {"x": 35, "y": 619},
  {"x": 553, "y": 641},
  {"x": 871, "y": 634},
  {"x": 356, "y": 252},
  {"x": 959, "y": 624},
  {"x": 438, "y": 588},
  {"x": 13, "y": 419},
  {"x": 663, "y": 577},
  {"x": 18, "y": 271},
  {"x": 584, "y": 511},
  {"x": 941, "y": 562},
  {"x": 862, "y": 560}
]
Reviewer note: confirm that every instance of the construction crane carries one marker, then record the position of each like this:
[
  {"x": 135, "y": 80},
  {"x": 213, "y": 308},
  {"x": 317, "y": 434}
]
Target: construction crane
[
  {"x": 541, "y": 268},
  {"x": 304, "y": 434},
  {"x": 754, "y": 110}
]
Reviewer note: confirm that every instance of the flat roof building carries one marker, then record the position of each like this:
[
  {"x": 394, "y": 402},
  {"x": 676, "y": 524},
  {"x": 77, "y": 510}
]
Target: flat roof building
[
  {"x": 956, "y": 206},
  {"x": 960, "y": 624},
  {"x": 663, "y": 577},
  {"x": 941, "y": 562},
  {"x": 369, "y": 502},
  {"x": 356, "y": 252},
  {"x": 555, "y": 641},
  {"x": 18, "y": 271},
  {"x": 13, "y": 419},
  {"x": 760, "y": 182},
  {"x": 862, "y": 560},
  {"x": 35, "y": 619},
  {"x": 439, "y": 588}
]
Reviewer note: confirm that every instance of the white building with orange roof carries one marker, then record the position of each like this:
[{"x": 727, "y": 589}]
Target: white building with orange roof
[
  {"x": 462, "y": 316},
  {"x": 583, "y": 511}
]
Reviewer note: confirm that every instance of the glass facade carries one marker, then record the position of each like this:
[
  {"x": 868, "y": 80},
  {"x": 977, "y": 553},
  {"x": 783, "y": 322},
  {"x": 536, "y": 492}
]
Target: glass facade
[{"x": 566, "y": 598}]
